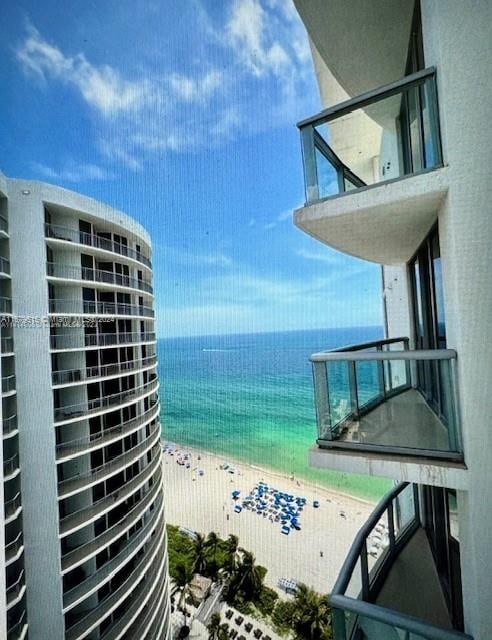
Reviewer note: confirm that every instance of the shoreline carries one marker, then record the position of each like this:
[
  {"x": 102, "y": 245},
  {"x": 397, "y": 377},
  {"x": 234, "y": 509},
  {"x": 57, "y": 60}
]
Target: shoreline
[
  {"x": 199, "y": 495},
  {"x": 272, "y": 472}
]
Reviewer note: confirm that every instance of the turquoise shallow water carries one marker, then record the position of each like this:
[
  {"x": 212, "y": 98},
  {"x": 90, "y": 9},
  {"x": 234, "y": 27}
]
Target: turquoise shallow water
[{"x": 250, "y": 397}]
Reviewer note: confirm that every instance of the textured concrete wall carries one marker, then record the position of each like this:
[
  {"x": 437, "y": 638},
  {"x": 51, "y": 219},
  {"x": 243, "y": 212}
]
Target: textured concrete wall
[
  {"x": 35, "y": 414},
  {"x": 458, "y": 41}
]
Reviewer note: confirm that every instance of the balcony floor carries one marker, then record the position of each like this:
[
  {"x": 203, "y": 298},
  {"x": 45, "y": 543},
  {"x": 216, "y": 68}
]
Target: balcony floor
[
  {"x": 412, "y": 586},
  {"x": 402, "y": 421}
]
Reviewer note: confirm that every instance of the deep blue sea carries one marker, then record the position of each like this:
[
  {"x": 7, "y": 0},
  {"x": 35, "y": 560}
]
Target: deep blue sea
[{"x": 250, "y": 397}]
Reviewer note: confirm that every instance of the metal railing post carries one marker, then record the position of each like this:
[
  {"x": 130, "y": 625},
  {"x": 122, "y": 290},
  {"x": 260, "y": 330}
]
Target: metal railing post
[
  {"x": 364, "y": 571},
  {"x": 309, "y": 161},
  {"x": 322, "y": 400},
  {"x": 391, "y": 526},
  {"x": 381, "y": 376},
  {"x": 354, "y": 396}
]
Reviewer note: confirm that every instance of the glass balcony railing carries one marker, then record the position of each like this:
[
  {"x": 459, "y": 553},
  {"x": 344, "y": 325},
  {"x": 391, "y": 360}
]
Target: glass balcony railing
[
  {"x": 58, "y": 232},
  {"x": 354, "y": 598},
  {"x": 18, "y": 629},
  {"x": 7, "y": 344},
  {"x": 70, "y": 376},
  {"x": 387, "y": 133},
  {"x": 4, "y": 266},
  {"x": 72, "y": 272},
  {"x": 62, "y": 307},
  {"x": 10, "y": 466},
  {"x": 8, "y": 383},
  {"x": 94, "y": 405},
  {"x": 4, "y": 225},
  {"x": 5, "y": 305},
  {"x": 381, "y": 397},
  {"x": 9, "y": 425},
  {"x": 100, "y": 438},
  {"x": 79, "y": 340},
  {"x": 12, "y": 507}
]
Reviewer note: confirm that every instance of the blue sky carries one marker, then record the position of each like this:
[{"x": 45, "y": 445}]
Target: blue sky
[{"x": 183, "y": 115}]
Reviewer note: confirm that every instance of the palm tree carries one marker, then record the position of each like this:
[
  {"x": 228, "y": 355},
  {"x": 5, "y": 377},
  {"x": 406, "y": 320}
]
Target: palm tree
[
  {"x": 211, "y": 543},
  {"x": 247, "y": 577},
  {"x": 182, "y": 585},
  {"x": 200, "y": 552},
  {"x": 213, "y": 627},
  {"x": 230, "y": 563},
  {"x": 312, "y": 614}
]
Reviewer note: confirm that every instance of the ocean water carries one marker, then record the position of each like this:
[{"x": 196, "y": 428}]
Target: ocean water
[{"x": 250, "y": 397}]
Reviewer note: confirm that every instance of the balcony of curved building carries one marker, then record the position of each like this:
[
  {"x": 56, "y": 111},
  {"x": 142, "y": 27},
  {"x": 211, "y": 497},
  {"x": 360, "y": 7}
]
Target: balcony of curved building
[
  {"x": 17, "y": 628},
  {"x": 5, "y": 306},
  {"x": 71, "y": 449},
  {"x": 65, "y": 307},
  {"x": 389, "y": 585},
  {"x": 4, "y": 268},
  {"x": 7, "y": 345},
  {"x": 4, "y": 227},
  {"x": 8, "y": 385},
  {"x": 373, "y": 163},
  {"x": 151, "y": 617},
  {"x": 139, "y": 511},
  {"x": 126, "y": 549},
  {"x": 81, "y": 342},
  {"x": 385, "y": 410},
  {"x": 82, "y": 481},
  {"x": 59, "y": 235},
  {"x": 135, "y": 586},
  {"x": 140, "y": 597},
  {"x": 14, "y": 549},
  {"x": 10, "y": 426},
  {"x": 103, "y": 279},
  {"x": 83, "y": 516},
  {"x": 69, "y": 377},
  {"x": 103, "y": 404},
  {"x": 15, "y": 591},
  {"x": 13, "y": 508},
  {"x": 11, "y": 468}
]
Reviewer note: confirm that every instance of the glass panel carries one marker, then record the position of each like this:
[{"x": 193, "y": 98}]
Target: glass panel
[
  {"x": 327, "y": 176},
  {"x": 454, "y": 525},
  {"x": 391, "y": 137},
  {"x": 368, "y": 381},
  {"x": 321, "y": 396},
  {"x": 414, "y": 128},
  {"x": 374, "y": 630},
  {"x": 354, "y": 587},
  {"x": 405, "y": 509},
  {"x": 377, "y": 544},
  {"x": 440, "y": 319},
  {"x": 339, "y": 386}
]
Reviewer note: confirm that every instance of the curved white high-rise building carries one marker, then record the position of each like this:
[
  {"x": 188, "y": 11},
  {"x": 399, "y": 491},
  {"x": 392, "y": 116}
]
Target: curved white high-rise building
[{"x": 79, "y": 292}]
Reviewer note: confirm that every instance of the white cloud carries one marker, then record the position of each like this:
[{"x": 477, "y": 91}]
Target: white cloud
[
  {"x": 247, "y": 34},
  {"x": 72, "y": 172},
  {"x": 260, "y": 84},
  {"x": 318, "y": 256},
  {"x": 196, "y": 89},
  {"x": 188, "y": 258},
  {"x": 102, "y": 87},
  {"x": 283, "y": 216},
  {"x": 115, "y": 150}
]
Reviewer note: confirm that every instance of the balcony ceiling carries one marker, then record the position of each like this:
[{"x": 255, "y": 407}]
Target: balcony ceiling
[
  {"x": 384, "y": 223},
  {"x": 364, "y": 44}
]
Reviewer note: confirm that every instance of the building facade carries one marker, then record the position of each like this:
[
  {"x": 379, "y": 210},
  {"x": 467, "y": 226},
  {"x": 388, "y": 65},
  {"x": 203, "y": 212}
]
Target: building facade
[
  {"x": 395, "y": 172},
  {"x": 78, "y": 316}
]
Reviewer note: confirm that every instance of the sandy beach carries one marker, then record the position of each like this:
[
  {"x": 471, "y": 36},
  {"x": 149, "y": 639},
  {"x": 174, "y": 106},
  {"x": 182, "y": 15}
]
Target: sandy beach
[{"x": 204, "y": 503}]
